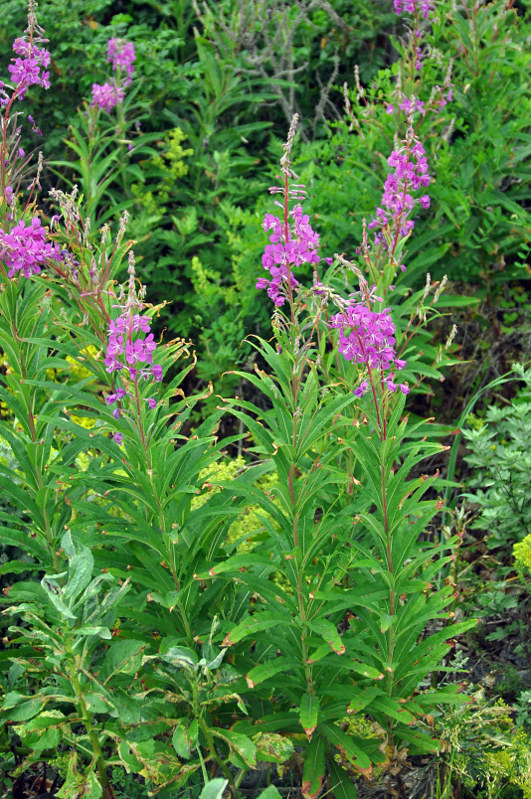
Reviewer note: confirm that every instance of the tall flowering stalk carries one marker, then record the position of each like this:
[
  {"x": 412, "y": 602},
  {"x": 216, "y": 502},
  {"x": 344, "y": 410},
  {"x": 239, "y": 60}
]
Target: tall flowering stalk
[
  {"x": 343, "y": 521},
  {"x": 28, "y": 68},
  {"x": 292, "y": 241},
  {"x": 130, "y": 349}
]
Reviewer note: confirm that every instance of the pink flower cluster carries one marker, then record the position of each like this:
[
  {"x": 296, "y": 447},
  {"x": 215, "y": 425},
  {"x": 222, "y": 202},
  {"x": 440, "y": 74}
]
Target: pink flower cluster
[
  {"x": 410, "y": 174},
  {"x": 298, "y": 245},
  {"x": 122, "y": 55},
  {"x": 415, "y": 6},
  {"x": 124, "y": 340},
  {"x": 107, "y": 96},
  {"x": 25, "y": 249},
  {"x": 26, "y": 70},
  {"x": 110, "y": 94},
  {"x": 368, "y": 337}
]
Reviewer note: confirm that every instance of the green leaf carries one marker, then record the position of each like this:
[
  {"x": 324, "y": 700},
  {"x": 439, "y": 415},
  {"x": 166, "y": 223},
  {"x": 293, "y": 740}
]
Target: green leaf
[
  {"x": 80, "y": 570},
  {"x": 102, "y": 632},
  {"x": 363, "y": 699},
  {"x": 270, "y": 793},
  {"x": 272, "y": 747},
  {"x": 42, "y": 732},
  {"x": 21, "y": 708},
  {"x": 386, "y": 620},
  {"x": 392, "y": 708},
  {"x": 238, "y": 743},
  {"x": 329, "y": 632},
  {"x": 184, "y": 739},
  {"x": 342, "y": 785},
  {"x": 264, "y": 671},
  {"x": 252, "y": 626},
  {"x": 52, "y": 592},
  {"x": 181, "y": 657},
  {"x": 314, "y": 768},
  {"x": 214, "y": 789},
  {"x": 123, "y": 657},
  {"x": 18, "y": 566},
  {"x": 309, "y": 712},
  {"x": 345, "y": 743}
]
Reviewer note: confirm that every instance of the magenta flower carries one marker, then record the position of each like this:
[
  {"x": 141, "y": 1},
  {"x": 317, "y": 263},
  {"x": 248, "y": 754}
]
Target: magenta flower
[
  {"x": 125, "y": 341},
  {"x": 410, "y": 175},
  {"x": 26, "y": 70},
  {"x": 423, "y": 7},
  {"x": 130, "y": 344},
  {"x": 156, "y": 371},
  {"x": 122, "y": 55},
  {"x": 298, "y": 247},
  {"x": 111, "y": 94},
  {"x": 25, "y": 249},
  {"x": 112, "y": 398},
  {"x": 368, "y": 337},
  {"x": 362, "y": 388},
  {"x": 106, "y": 96}
]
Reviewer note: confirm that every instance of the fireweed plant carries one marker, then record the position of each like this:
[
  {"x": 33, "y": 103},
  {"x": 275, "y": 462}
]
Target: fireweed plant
[
  {"x": 354, "y": 625},
  {"x": 102, "y": 474},
  {"x": 106, "y": 141},
  {"x": 141, "y": 633}
]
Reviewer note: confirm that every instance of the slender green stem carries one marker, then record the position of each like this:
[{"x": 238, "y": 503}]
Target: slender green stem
[{"x": 88, "y": 722}]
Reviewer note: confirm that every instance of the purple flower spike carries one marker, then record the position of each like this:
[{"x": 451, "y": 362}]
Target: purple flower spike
[
  {"x": 106, "y": 96},
  {"x": 411, "y": 6},
  {"x": 298, "y": 248},
  {"x": 131, "y": 343},
  {"x": 25, "y": 249},
  {"x": 26, "y": 70},
  {"x": 122, "y": 55},
  {"x": 410, "y": 174}
]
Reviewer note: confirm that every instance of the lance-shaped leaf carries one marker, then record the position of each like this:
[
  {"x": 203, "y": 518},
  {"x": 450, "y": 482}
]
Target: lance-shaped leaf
[
  {"x": 346, "y": 744},
  {"x": 309, "y": 713},
  {"x": 328, "y": 631},
  {"x": 314, "y": 768},
  {"x": 392, "y": 709},
  {"x": 253, "y": 625},
  {"x": 341, "y": 783},
  {"x": 264, "y": 671},
  {"x": 363, "y": 699}
]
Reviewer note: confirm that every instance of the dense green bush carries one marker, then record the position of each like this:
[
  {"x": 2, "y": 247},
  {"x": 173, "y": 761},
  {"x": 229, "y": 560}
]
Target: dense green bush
[{"x": 498, "y": 453}]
